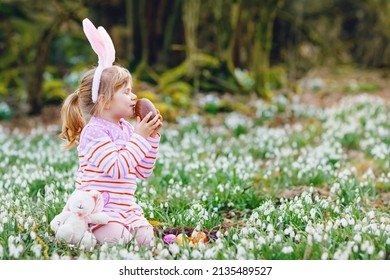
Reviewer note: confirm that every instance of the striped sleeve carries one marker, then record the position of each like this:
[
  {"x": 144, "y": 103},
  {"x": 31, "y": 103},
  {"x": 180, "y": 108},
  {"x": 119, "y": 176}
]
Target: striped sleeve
[
  {"x": 146, "y": 166},
  {"x": 114, "y": 160}
]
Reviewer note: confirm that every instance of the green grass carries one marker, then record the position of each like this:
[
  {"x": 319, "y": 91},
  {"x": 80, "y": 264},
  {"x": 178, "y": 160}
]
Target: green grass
[{"x": 290, "y": 182}]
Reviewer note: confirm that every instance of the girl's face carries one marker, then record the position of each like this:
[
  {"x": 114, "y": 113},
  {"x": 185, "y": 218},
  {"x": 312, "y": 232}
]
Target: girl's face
[{"x": 123, "y": 103}]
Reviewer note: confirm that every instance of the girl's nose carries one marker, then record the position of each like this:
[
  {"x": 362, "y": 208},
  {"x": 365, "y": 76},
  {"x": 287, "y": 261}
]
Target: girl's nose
[{"x": 133, "y": 96}]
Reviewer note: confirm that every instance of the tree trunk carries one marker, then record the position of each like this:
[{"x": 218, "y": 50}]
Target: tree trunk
[
  {"x": 191, "y": 12},
  {"x": 34, "y": 88},
  {"x": 235, "y": 19},
  {"x": 263, "y": 45},
  {"x": 130, "y": 48}
]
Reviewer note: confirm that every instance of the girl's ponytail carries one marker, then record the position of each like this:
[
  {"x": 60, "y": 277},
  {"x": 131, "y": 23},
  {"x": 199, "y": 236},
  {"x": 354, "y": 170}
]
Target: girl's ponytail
[{"x": 73, "y": 120}]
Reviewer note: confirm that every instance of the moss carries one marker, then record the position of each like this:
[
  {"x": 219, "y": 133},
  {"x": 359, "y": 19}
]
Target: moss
[
  {"x": 181, "y": 87},
  {"x": 3, "y": 90},
  {"x": 173, "y": 75},
  {"x": 168, "y": 112},
  {"x": 53, "y": 91},
  {"x": 362, "y": 87},
  {"x": 181, "y": 100},
  {"x": 152, "y": 96},
  {"x": 277, "y": 77}
]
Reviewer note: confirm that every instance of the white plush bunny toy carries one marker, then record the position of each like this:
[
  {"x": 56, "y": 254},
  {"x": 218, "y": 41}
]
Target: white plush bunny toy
[{"x": 71, "y": 225}]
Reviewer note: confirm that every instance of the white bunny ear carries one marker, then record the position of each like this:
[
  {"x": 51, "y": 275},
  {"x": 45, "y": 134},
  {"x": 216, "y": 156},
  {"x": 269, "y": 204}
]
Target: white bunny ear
[
  {"x": 102, "y": 45},
  {"x": 96, "y": 82}
]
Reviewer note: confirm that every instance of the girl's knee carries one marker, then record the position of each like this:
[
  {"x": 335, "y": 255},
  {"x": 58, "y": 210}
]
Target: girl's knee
[
  {"x": 144, "y": 236},
  {"x": 113, "y": 233}
]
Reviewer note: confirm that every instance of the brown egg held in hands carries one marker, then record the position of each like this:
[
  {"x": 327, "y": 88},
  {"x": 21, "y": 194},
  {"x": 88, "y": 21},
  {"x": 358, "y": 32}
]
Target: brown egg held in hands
[{"x": 143, "y": 107}]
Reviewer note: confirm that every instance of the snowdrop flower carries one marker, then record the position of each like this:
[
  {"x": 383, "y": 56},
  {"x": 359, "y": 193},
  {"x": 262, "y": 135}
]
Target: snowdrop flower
[
  {"x": 210, "y": 253},
  {"x": 174, "y": 249},
  {"x": 357, "y": 238},
  {"x": 15, "y": 251},
  {"x": 312, "y": 213},
  {"x": 324, "y": 256},
  {"x": 287, "y": 250},
  {"x": 33, "y": 235},
  {"x": 278, "y": 238},
  {"x": 36, "y": 249},
  {"x": 196, "y": 254},
  {"x": 344, "y": 222},
  {"x": 241, "y": 252},
  {"x": 270, "y": 227},
  {"x": 261, "y": 241},
  {"x": 370, "y": 249}
]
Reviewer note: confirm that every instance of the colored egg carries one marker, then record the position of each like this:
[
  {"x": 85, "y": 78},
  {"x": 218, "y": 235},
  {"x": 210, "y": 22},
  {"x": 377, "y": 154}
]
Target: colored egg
[
  {"x": 198, "y": 237},
  {"x": 169, "y": 238},
  {"x": 181, "y": 239}
]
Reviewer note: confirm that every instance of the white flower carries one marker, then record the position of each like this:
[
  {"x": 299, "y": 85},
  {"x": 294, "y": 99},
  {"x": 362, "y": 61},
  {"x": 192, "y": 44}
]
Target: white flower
[
  {"x": 324, "y": 256},
  {"x": 210, "y": 253},
  {"x": 370, "y": 250},
  {"x": 278, "y": 238},
  {"x": 313, "y": 213},
  {"x": 33, "y": 235},
  {"x": 195, "y": 254},
  {"x": 164, "y": 253},
  {"x": 270, "y": 227},
  {"x": 174, "y": 249},
  {"x": 371, "y": 214},
  {"x": 241, "y": 251},
  {"x": 357, "y": 238},
  {"x": 287, "y": 250},
  {"x": 244, "y": 231}
]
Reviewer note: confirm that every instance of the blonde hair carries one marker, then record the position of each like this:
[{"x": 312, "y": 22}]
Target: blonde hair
[{"x": 78, "y": 106}]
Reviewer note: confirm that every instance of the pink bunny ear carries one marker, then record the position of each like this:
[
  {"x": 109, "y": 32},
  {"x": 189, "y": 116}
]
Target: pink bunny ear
[
  {"x": 109, "y": 56},
  {"x": 97, "y": 197},
  {"x": 94, "y": 37},
  {"x": 102, "y": 45}
]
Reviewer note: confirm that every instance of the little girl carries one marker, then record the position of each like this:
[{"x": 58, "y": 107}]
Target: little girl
[{"x": 112, "y": 153}]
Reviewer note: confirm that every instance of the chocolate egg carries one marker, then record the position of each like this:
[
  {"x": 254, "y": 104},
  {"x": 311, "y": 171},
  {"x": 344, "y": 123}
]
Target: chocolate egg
[{"x": 143, "y": 107}]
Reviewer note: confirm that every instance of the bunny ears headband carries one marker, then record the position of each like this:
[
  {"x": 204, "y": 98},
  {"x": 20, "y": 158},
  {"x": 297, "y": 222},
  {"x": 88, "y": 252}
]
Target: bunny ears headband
[{"x": 102, "y": 45}]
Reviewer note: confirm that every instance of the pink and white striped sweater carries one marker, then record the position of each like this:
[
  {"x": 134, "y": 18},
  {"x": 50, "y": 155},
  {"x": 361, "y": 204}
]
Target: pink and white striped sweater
[{"x": 111, "y": 157}]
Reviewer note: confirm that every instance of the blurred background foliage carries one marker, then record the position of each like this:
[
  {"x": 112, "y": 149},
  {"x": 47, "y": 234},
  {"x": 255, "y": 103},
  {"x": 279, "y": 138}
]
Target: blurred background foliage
[{"x": 182, "y": 47}]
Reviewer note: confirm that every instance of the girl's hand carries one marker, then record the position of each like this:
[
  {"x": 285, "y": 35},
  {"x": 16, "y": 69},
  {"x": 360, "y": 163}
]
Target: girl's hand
[
  {"x": 155, "y": 132},
  {"x": 145, "y": 127}
]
